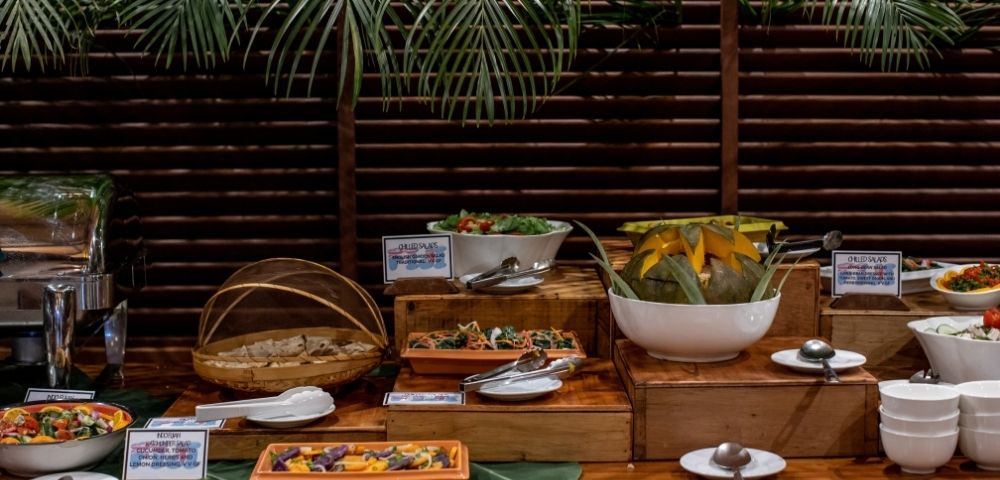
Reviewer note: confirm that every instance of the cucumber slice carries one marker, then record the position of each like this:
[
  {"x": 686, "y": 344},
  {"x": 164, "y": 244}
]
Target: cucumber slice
[{"x": 945, "y": 329}]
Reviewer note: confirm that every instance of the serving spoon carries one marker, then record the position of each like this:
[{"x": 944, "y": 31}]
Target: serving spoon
[
  {"x": 816, "y": 350},
  {"x": 731, "y": 456}
]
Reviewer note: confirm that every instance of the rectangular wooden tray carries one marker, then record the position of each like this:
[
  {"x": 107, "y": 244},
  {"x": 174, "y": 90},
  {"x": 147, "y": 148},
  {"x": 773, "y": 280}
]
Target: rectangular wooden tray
[
  {"x": 262, "y": 470},
  {"x": 431, "y": 361}
]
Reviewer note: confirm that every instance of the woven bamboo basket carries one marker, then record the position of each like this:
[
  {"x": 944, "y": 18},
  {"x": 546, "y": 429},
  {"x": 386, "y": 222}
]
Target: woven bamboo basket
[{"x": 308, "y": 299}]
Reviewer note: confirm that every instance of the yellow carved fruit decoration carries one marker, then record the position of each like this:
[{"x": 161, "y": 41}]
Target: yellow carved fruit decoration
[{"x": 724, "y": 263}]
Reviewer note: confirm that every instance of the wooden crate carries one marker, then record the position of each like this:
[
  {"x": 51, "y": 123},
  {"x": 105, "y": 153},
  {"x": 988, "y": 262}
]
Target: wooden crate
[
  {"x": 798, "y": 313},
  {"x": 680, "y": 407},
  {"x": 881, "y": 335},
  {"x": 571, "y": 298},
  {"x": 359, "y": 417},
  {"x": 588, "y": 419}
]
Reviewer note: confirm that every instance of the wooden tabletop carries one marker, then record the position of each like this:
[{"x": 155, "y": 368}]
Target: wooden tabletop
[{"x": 163, "y": 371}]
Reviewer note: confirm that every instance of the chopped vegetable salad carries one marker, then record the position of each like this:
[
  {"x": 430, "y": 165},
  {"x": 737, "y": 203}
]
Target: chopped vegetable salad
[
  {"x": 472, "y": 337},
  {"x": 472, "y": 223},
  {"x": 46, "y": 423},
  {"x": 357, "y": 458}
]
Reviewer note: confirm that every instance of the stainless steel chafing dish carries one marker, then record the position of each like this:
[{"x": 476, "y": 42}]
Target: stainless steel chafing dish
[{"x": 71, "y": 254}]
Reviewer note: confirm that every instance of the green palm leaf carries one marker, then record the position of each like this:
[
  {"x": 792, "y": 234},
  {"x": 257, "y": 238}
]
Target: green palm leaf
[
  {"x": 475, "y": 52},
  {"x": 31, "y": 30},
  {"x": 199, "y": 28},
  {"x": 307, "y": 28}
]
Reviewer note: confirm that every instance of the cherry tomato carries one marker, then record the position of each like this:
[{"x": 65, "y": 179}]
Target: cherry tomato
[
  {"x": 992, "y": 318},
  {"x": 64, "y": 435},
  {"x": 59, "y": 424}
]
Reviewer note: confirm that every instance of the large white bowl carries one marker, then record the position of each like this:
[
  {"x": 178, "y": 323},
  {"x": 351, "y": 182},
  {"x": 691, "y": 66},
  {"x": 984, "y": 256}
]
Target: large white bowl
[
  {"x": 981, "y": 446},
  {"x": 33, "y": 459},
  {"x": 921, "y": 426},
  {"x": 693, "y": 333},
  {"x": 957, "y": 359},
  {"x": 919, "y": 454},
  {"x": 478, "y": 253},
  {"x": 966, "y": 300},
  {"x": 980, "y": 398},
  {"x": 989, "y": 423},
  {"x": 920, "y": 401}
]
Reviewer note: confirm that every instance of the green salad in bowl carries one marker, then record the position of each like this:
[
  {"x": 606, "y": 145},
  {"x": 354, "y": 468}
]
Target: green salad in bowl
[{"x": 473, "y": 223}]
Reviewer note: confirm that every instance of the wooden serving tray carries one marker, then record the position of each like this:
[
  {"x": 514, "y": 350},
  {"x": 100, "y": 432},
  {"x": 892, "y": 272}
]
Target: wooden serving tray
[
  {"x": 262, "y": 471},
  {"x": 466, "y": 362}
]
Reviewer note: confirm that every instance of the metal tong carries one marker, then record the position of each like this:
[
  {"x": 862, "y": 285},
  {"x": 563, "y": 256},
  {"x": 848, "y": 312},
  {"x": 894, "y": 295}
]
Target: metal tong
[
  {"x": 561, "y": 368},
  {"x": 529, "y": 360},
  {"x": 538, "y": 267}
]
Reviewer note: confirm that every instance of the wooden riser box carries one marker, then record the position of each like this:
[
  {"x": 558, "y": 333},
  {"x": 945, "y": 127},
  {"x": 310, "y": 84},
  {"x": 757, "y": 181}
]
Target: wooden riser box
[
  {"x": 680, "y": 407},
  {"x": 588, "y": 419},
  {"x": 882, "y": 336},
  {"x": 570, "y": 299}
]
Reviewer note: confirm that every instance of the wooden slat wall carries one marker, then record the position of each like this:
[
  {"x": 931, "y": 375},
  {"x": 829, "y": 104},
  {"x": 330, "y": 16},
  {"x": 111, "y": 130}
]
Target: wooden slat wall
[
  {"x": 898, "y": 161},
  {"x": 228, "y": 174},
  {"x": 638, "y": 137},
  {"x": 225, "y": 173}
]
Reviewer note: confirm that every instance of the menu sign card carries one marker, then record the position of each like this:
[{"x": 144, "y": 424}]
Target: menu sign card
[
  {"x": 57, "y": 395},
  {"x": 424, "y": 398},
  {"x": 182, "y": 423},
  {"x": 869, "y": 273},
  {"x": 416, "y": 256},
  {"x": 165, "y": 454}
]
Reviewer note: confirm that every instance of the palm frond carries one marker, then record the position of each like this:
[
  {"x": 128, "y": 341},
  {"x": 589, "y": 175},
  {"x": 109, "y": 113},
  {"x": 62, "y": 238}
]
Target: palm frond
[
  {"x": 307, "y": 28},
  {"x": 474, "y": 53},
  {"x": 31, "y": 31},
  {"x": 975, "y": 15},
  {"x": 199, "y": 28}
]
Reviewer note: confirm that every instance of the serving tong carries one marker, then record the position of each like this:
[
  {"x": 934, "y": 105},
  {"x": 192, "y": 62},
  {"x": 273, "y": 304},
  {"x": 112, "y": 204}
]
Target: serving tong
[
  {"x": 295, "y": 401},
  {"x": 530, "y": 360},
  {"x": 541, "y": 266},
  {"x": 562, "y": 368}
]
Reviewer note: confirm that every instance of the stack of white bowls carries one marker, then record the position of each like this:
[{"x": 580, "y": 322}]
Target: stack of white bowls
[
  {"x": 980, "y": 422},
  {"x": 919, "y": 425}
]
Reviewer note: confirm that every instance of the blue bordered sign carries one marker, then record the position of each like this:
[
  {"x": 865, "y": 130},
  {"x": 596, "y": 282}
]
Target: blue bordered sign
[
  {"x": 57, "y": 395},
  {"x": 182, "y": 423},
  {"x": 870, "y": 273},
  {"x": 165, "y": 454},
  {"x": 416, "y": 256}
]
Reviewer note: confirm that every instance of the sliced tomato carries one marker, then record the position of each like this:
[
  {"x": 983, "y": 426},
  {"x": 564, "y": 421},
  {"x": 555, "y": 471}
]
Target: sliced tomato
[
  {"x": 992, "y": 318},
  {"x": 64, "y": 435}
]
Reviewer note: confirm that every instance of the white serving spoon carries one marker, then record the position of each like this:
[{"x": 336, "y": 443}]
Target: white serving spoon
[{"x": 295, "y": 401}]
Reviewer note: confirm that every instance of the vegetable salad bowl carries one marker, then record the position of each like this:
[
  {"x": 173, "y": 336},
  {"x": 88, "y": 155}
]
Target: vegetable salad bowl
[
  {"x": 57, "y": 455},
  {"x": 980, "y": 299},
  {"x": 478, "y": 253},
  {"x": 957, "y": 359},
  {"x": 693, "y": 333}
]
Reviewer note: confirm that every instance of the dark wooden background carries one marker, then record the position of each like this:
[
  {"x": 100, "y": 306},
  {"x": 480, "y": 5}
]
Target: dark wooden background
[{"x": 776, "y": 121}]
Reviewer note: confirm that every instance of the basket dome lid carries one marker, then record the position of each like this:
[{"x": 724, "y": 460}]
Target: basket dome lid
[{"x": 290, "y": 294}]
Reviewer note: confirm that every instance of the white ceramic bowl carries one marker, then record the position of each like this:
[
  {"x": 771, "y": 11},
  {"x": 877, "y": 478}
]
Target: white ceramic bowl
[
  {"x": 478, "y": 253},
  {"x": 920, "y": 401},
  {"x": 981, "y": 397},
  {"x": 918, "y": 454},
  {"x": 957, "y": 359},
  {"x": 982, "y": 447},
  {"x": 904, "y": 381},
  {"x": 988, "y": 423},
  {"x": 933, "y": 426},
  {"x": 966, "y": 300},
  {"x": 33, "y": 459},
  {"x": 693, "y": 333}
]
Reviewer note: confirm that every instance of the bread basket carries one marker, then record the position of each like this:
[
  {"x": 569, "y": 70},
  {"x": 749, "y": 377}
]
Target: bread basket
[{"x": 285, "y": 322}]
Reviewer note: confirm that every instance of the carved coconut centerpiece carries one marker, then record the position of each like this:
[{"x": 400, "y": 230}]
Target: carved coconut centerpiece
[{"x": 694, "y": 293}]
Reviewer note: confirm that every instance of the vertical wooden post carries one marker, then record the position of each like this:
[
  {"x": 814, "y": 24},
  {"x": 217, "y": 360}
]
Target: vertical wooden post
[
  {"x": 347, "y": 200},
  {"x": 729, "y": 53}
]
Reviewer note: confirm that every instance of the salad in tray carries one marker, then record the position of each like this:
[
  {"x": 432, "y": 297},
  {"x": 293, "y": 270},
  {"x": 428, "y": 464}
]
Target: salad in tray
[
  {"x": 472, "y": 337},
  {"x": 53, "y": 423},
  {"x": 356, "y": 458},
  {"x": 472, "y": 223},
  {"x": 977, "y": 278}
]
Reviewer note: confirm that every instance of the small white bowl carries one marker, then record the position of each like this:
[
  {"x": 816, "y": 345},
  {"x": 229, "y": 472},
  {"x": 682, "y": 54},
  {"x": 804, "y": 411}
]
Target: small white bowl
[
  {"x": 987, "y": 423},
  {"x": 918, "y": 454},
  {"x": 980, "y": 397},
  {"x": 933, "y": 426},
  {"x": 919, "y": 401},
  {"x": 905, "y": 381},
  {"x": 966, "y": 300},
  {"x": 982, "y": 447}
]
